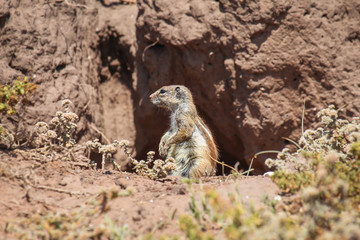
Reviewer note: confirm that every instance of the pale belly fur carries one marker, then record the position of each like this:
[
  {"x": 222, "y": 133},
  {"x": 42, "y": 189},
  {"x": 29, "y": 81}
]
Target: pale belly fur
[{"x": 190, "y": 149}]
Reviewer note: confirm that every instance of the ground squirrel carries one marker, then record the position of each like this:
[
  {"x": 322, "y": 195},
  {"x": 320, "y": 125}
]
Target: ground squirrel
[{"x": 189, "y": 141}]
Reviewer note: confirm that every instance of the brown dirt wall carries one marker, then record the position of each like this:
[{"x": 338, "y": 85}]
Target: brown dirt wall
[{"x": 249, "y": 64}]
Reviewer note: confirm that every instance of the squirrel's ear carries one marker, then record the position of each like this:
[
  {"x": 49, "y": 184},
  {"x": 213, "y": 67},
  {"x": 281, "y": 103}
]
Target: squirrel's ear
[{"x": 177, "y": 92}]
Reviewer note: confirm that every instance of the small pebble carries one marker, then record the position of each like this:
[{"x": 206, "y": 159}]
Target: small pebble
[{"x": 268, "y": 174}]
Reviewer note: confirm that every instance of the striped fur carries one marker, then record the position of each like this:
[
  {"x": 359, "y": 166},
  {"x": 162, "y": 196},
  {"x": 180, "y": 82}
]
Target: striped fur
[{"x": 189, "y": 141}]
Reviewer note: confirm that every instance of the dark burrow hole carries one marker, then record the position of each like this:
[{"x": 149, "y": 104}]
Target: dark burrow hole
[
  {"x": 114, "y": 59},
  {"x": 116, "y": 63},
  {"x": 230, "y": 160}
]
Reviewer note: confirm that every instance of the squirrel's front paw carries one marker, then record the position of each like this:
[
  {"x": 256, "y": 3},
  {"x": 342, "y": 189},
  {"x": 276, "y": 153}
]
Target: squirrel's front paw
[{"x": 163, "y": 149}]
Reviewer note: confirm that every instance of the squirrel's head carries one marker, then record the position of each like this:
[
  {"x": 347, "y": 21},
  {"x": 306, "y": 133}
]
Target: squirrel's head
[{"x": 171, "y": 97}]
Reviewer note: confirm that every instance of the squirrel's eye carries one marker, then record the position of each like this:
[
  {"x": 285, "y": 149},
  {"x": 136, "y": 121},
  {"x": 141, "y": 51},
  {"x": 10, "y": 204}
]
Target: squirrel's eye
[{"x": 162, "y": 91}]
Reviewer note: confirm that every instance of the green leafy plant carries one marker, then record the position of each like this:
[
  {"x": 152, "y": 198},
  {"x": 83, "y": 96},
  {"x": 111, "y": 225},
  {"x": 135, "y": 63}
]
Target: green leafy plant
[
  {"x": 10, "y": 95},
  {"x": 292, "y": 182}
]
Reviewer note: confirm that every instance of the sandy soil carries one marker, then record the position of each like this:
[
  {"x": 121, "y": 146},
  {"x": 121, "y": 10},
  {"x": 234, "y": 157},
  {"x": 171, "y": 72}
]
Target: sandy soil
[{"x": 29, "y": 187}]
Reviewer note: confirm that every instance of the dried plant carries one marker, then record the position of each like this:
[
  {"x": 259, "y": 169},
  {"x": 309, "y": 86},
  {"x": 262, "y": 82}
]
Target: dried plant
[
  {"x": 153, "y": 169},
  {"x": 106, "y": 151},
  {"x": 60, "y": 131},
  {"x": 7, "y": 140},
  {"x": 335, "y": 135},
  {"x": 55, "y": 141},
  {"x": 65, "y": 125}
]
